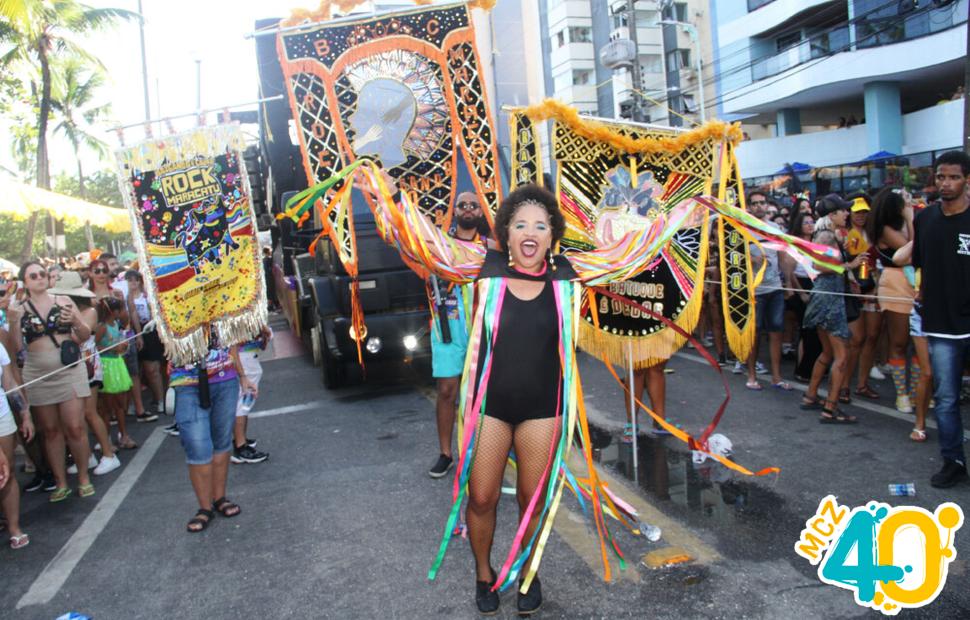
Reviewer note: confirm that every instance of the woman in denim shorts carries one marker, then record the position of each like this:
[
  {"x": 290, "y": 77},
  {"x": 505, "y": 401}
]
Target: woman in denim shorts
[{"x": 205, "y": 428}]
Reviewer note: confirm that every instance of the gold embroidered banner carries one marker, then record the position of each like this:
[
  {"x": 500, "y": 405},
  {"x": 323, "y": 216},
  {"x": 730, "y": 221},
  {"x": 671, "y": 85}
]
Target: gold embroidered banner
[
  {"x": 616, "y": 177},
  {"x": 402, "y": 88}
]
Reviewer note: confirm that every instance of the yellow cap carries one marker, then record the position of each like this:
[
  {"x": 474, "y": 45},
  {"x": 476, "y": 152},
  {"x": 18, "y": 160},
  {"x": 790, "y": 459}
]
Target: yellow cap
[{"x": 859, "y": 204}]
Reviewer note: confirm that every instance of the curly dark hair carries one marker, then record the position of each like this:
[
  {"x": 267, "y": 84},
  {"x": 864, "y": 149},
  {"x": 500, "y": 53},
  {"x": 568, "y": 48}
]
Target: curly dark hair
[
  {"x": 532, "y": 194},
  {"x": 887, "y": 210}
]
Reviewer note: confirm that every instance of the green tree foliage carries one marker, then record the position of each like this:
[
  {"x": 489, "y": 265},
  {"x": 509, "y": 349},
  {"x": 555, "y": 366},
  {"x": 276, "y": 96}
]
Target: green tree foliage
[{"x": 33, "y": 34}]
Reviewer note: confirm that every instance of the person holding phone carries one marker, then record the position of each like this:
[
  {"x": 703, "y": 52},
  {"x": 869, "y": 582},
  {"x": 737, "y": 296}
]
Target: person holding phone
[{"x": 47, "y": 323}]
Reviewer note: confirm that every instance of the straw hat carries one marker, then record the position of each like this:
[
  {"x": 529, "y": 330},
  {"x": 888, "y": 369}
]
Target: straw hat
[{"x": 69, "y": 283}]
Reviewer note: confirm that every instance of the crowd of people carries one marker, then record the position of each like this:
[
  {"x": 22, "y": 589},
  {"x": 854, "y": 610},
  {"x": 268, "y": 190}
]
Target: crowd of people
[
  {"x": 869, "y": 319},
  {"x": 868, "y": 322},
  {"x": 77, "y": 352},
  {"x": 80, "y": 361}
]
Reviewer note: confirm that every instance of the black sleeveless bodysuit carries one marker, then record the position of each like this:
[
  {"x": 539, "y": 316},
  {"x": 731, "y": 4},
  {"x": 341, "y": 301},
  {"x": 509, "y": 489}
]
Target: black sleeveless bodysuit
[{"x": 526, "y": 377}]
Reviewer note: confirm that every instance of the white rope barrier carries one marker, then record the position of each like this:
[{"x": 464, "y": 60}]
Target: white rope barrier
[
  {"x": 150, "y": 326},
  {"x": 872, "y": 296}
]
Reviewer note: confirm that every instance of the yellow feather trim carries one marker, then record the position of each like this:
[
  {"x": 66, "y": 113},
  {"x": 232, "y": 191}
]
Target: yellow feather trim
[{"x": 596, "y": 131}]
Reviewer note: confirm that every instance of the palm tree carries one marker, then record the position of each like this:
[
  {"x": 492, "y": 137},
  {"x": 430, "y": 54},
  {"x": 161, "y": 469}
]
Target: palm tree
[
  {"x": 37, "y": 31},
  {"x": 72, "y": 102}
]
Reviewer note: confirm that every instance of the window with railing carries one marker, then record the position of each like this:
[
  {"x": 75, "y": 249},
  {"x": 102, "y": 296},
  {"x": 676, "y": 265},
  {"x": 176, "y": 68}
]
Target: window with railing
[{"x": 875, "y": 27}]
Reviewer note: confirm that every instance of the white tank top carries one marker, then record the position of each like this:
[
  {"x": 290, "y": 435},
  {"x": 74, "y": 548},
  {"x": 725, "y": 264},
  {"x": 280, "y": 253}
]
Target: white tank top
[{"x": 142, "y": 308}]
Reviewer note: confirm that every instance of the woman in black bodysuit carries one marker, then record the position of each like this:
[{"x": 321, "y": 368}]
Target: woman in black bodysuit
[{"x": 525, "y": 385}]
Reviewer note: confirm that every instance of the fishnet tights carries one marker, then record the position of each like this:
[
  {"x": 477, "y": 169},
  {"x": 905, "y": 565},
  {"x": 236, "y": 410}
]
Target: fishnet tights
[{"x": 533, "y": 441}]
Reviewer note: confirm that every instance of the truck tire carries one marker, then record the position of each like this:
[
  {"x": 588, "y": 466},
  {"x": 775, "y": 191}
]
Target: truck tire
[{"x": 333, "y": 371}]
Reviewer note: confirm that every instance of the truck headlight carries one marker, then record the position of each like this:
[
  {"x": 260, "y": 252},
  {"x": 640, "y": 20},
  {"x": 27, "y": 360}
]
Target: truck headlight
[
  {"x": 373, "y": 345},
  {"x": 410, "y": 342},
  {"x": 353, "y": 333}
]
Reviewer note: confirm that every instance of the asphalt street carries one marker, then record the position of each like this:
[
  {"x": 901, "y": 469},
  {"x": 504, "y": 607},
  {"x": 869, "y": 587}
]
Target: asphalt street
[{"x": 343, "y": 521}]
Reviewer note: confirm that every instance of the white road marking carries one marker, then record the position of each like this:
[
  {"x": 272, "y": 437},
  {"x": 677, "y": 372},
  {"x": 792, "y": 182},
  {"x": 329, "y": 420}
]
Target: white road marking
[
  {"x": 288, "y": 409},
  {"x": 57, "y": 571},
  {"x": 50, "y": 580},
  {"x": 856, "y": 400}
]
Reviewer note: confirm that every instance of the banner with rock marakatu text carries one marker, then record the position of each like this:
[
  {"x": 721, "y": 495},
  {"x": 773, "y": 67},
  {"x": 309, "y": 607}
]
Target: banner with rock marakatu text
[{"x": 194, "y": 228}]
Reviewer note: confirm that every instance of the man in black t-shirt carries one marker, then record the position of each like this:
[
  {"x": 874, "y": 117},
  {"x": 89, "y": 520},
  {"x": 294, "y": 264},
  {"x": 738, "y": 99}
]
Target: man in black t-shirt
[{"x": 941, "y": 249}]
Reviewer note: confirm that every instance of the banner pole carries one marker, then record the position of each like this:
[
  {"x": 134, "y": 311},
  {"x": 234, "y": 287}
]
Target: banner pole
[{"x": 633, "y": 412}]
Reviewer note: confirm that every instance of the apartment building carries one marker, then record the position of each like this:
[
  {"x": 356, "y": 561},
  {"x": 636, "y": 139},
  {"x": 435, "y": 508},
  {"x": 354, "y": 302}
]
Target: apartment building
[
  {"x": 851, "y": 93},
  {"x": 669, "y": 36}
]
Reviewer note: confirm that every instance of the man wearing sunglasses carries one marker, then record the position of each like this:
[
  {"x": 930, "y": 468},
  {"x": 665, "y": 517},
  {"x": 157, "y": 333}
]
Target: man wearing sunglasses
[{"x": 449, "y": 333}]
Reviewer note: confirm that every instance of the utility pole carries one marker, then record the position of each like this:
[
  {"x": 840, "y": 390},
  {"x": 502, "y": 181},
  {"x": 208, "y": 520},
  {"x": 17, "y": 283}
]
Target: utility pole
[
  {"x": 966, "y": 97},
  {"x": 631, "y": 24},
  {"x": 198, "y": 84},
  {"x": 144, "y": 61},
  {"x": 691, "y": 31}
]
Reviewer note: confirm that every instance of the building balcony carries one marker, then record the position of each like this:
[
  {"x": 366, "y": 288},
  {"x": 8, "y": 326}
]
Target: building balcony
[
  {"x": 817, "y": 73},
  {"x": 568, "y": 11},
  {"x": 936, "y": 128},
  {"x": 580, "y": 54},
  {"x": 764, "y": 17}
]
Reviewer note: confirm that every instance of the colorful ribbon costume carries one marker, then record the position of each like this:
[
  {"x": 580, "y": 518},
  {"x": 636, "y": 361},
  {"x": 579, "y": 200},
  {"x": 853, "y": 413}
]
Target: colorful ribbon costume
[{"x": 427, "y": 249}]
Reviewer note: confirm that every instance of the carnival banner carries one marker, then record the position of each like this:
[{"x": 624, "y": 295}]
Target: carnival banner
[
  {"x": 614, "y": 178},
  {"x": 401, "y": 88},
  {"x": 193, "y": 226}
]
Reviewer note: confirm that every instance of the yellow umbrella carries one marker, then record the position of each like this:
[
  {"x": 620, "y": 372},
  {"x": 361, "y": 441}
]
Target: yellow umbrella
[{"x": 21, "y": 200}]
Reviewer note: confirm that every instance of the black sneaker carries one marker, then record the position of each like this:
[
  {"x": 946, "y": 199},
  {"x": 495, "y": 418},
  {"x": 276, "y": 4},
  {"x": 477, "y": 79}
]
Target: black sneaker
[
  {"x": 246, "y": 454},
  {"x": 485, "y": 598},
  {"x": 49, "y": 483},
  {"x": 250, "y": 442},
  {"x": 441, "y": 466},
  {"x": 531, "y": 601},
  {"x": 36, "y": 483},
  {"x": 722, "y": 360},
  {"x": 952, "y": 473},
  {"x": 146, "y": 417},
  {"x": 172, "y": 429}
]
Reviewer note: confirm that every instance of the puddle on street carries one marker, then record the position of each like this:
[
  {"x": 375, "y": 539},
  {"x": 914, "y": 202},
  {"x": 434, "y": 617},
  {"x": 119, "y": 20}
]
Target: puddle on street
[
  {"x": 708, "y": 489},
  {"x": 750, "y": 520}
]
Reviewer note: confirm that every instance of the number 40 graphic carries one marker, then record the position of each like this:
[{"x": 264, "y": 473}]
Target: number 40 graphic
[{"x": 893, "y": 557}]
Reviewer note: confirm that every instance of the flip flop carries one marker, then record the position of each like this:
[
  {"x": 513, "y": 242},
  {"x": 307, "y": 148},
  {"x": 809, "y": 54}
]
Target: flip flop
[
  {"x": 918, "y": 435},
  {"x": 19, "y": 542},
  {"x": 783, "y": 386},
  {"x": 86, "y": 490},
  {"x": 754, "y": 386},
  {"x": 59, "y": 495}
]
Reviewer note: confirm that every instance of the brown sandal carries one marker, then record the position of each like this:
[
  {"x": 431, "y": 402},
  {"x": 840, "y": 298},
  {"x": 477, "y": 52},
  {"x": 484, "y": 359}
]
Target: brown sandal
[
  {"x": 226, "y": 508},
  {"x": 834, "y": 415},
  {"x": 200, "y": 521},
  {"x": 868, "y": 392},
  {"x": 844, "y": 397},
  {"x": 808, "y": 403}
]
